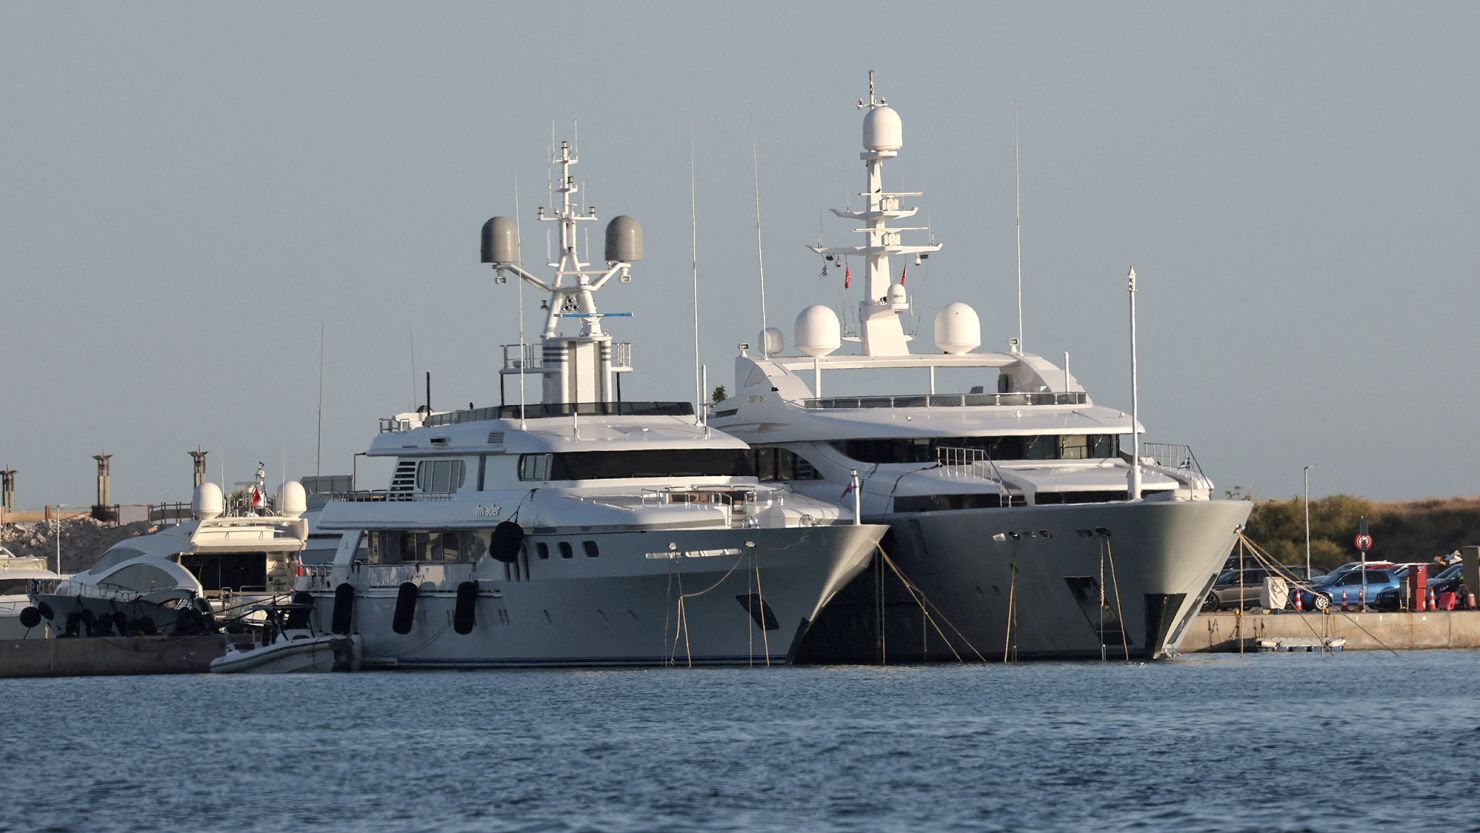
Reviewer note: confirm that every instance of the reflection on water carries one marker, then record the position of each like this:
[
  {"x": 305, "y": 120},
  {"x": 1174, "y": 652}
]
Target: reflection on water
[{"x": 1262, "y": 742}]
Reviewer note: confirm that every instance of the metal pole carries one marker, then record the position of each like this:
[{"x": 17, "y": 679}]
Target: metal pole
[
  {"x": 1306, "y": 472},
  {"x": 58, "y": 520},
  {"x": 857, "y": 502},
  {"x": 1135, "y": 474}
]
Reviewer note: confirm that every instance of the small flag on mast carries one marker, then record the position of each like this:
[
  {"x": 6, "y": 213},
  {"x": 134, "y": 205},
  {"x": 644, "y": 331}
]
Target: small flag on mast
[
  {"x": 847, "y": 276},
  {"x": 904, "y": 271}
]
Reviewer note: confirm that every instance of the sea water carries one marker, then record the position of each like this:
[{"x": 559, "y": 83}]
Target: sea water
[{"x": 1277, "y": 742}]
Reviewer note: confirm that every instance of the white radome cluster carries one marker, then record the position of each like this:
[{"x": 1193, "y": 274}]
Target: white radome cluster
[
  {"x": 958, "y": 329},
  {"x": 883, "y": 132},
  {"x": 207, "y": 502},
  {"x": 292, "y": 499},
  {"x": 818, "y": 331}
]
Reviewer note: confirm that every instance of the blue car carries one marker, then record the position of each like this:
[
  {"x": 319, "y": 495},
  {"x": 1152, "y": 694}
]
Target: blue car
[{"x": 1327, "y": 590}]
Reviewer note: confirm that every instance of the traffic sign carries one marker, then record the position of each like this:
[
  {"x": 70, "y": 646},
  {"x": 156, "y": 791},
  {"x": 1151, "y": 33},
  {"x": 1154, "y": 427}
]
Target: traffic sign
[{"x": 1364, "y": 542}]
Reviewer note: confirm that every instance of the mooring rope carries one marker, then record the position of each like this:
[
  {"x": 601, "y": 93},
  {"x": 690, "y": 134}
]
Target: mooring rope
[
  {"x": 1119, "y": 614},
  {"x": 927, "y": 606}
]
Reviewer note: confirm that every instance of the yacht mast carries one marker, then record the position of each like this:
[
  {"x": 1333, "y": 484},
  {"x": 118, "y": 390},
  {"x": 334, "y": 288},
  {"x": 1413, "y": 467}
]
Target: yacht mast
[
  {"x": 880, "y": 328},
  {"x": 582, "y": 367}
]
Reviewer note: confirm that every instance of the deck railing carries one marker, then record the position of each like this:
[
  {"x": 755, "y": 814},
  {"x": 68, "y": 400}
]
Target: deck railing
[{"x": 948, "y": 400}]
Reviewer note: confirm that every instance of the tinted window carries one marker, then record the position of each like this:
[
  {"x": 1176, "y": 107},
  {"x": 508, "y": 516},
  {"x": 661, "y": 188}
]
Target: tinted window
[
  {"x": 923, "y": 449},
  {"x": 682, "y": 462}
]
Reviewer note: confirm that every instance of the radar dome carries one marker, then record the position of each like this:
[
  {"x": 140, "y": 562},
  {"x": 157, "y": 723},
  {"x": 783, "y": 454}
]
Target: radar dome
[
  {"x": 896, "y": 296},
  {"x": 957, "y": 329},
  {"x": 292, "y": 499},
  {"x": 207, "y": 502},
  {"x": 818, "y": 331},
  {"x": 882, "y": 130},
  {"x": 623, "y": 240},
  {"x": 500, "y": 241},
  {"x": 772, "y": 342}
]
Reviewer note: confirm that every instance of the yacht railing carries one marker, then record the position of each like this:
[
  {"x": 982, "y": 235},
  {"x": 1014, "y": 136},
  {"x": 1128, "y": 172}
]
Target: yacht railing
[
  {"x": 742, "y": 506},
  {"x": 530, "y": 358},
  {"x": 541, "y": 410},
  {"x": 972, "y": 462},
  {"x": 387, "y": 496},
  {"x": 1172, "y": 456},
  {"x": 948, "y": 400}
]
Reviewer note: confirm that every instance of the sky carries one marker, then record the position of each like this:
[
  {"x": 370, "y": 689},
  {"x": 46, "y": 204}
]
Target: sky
[{"x": 190, "y": 194}]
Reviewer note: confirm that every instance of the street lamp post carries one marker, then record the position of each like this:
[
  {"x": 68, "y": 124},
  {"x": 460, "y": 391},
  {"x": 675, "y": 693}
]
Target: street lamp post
[{"x": 1306, "y": 472}]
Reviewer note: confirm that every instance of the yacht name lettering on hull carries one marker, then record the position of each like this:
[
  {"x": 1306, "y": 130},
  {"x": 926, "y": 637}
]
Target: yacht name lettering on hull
[
  {"x": 673, "y": 554},
  {"x": 488, "y": 511}
]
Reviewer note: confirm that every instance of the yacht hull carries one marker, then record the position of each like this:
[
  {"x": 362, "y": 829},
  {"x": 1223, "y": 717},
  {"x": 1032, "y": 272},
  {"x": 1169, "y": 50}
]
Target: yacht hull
[
  {"x": 1154, "y": 566},
  {"x": 649, "y": 597}
]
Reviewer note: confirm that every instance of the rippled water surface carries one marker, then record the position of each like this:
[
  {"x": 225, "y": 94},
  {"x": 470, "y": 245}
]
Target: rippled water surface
[{"x": 1262, "y": 742}]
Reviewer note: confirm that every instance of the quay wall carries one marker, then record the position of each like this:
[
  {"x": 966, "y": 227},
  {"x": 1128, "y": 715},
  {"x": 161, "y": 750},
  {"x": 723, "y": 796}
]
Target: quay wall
[
  {"x": 1398, "y": 631},
  {"x": 106, "y": 656}
]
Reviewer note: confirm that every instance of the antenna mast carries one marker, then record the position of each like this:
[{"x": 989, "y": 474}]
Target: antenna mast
[
  {"x": 1017, "y": 172},
  {"x": 694, "y": 251},
  {"x": 760, "y": 255},
  {"x": 880, "y": 330}
]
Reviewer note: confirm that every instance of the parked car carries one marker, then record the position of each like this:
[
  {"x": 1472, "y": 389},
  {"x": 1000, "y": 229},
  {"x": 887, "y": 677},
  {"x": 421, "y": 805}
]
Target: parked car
[
  {"x": 1239, "y": 589},
  {"x": 1447, "y": 580},
  {"x": 1329, "y": 588}
]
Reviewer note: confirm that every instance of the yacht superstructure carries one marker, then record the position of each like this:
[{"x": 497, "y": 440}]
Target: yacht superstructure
[
  {"x": 1012, "y": 507},
  {"x": 583, "y": 529}
]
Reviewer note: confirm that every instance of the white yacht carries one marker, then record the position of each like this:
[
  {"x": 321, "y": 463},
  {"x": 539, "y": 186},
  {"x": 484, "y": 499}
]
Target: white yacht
[
  {"x": 1024, "y": 527},
  {"x": 18, "y": 575},
  {"x": 214, "y": 569},
  {"x": 581, "y": 530}
]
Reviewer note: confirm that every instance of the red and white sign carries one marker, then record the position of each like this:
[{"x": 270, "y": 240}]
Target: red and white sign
[{"x": 1364, "y": 542}]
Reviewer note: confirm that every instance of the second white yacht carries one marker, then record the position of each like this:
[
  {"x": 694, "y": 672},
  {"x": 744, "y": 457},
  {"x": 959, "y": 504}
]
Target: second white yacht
[
  {"x": 1022, "y": 526},
  {"x": 582, "y": 530}
]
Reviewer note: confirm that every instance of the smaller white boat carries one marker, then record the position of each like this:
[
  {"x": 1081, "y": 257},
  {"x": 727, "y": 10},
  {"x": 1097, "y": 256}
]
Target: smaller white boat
[
  {"x": 18, "y": 574},
  {"x": 288, "y": 644}
]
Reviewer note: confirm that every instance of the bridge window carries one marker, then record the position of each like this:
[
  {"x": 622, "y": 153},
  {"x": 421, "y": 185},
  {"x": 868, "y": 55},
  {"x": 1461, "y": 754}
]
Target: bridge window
[
  {"x": 1032, "y": 447},
  {"x": 439, "y": 477},
  {"x": 773, "y": 463}
]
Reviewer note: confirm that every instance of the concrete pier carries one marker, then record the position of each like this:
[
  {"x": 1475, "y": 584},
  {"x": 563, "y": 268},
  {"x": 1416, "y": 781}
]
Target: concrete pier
[
  {"x": 1403, "y": 631},
  {"x": 107, "y": 656}
]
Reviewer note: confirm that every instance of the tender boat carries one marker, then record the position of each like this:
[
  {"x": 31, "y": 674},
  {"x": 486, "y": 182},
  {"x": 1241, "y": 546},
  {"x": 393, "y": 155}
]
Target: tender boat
[
  {"x": 1016, "y": 516},
  {"x": 289, "y": 644},
  {"x": 583, "y": 529}
]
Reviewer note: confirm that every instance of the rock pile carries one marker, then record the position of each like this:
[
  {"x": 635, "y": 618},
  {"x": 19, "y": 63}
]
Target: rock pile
[{"x": 83, "y": 540}]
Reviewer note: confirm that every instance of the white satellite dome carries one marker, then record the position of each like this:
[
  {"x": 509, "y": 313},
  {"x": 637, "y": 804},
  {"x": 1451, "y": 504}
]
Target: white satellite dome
[
  {"x": 207, "y": 502},
  {"x": 882, "y": 130},
  {"x": 292, "y": 499},
  {"x": 957, "y": 329},
  {"x": 772, "y": 342},
  {"x": 818, "y": 331}
]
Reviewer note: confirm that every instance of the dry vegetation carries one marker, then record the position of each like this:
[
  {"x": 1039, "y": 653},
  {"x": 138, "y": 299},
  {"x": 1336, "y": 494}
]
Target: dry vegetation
[{"x": 1410, "y": 531}]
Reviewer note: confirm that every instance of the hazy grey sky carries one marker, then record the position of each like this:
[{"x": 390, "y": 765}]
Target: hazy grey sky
[{"x": 191, "y": 190}]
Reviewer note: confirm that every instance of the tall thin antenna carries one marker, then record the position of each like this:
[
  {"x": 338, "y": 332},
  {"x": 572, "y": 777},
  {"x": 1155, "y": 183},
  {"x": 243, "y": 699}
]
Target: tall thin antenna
[
  {"x": 319, "y": 443},
  {"x": 760, "y": 254},
  {"x": 1017, "y": 172},
  {"x": 523, "y": 351},
  {"x": 694, "y": 251},
  {"x": 411, "y": 336}
]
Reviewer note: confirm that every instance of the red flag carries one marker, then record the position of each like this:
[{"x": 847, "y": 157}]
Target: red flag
[
  {"x": 904, "y": 271},
  {"x": 847, "y": 276}
]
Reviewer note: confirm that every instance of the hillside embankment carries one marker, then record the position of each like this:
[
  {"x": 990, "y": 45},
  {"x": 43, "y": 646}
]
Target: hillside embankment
[
  {"x": 83, "y": 540},
  {"x": 1405, "y": 531}
]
